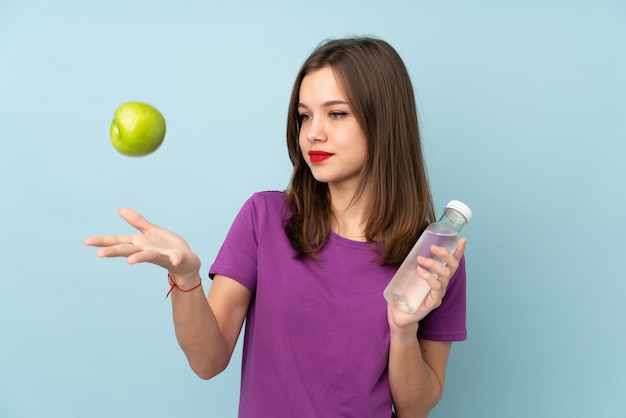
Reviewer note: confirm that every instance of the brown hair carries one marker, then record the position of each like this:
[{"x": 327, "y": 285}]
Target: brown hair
[{"x": 381, "y": 96}]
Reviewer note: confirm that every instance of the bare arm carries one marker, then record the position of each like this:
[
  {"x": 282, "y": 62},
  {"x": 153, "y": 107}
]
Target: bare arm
[
  {"x": 207, "y": 328},
  {"x": 417, "y": 367},
  {"x": 416, "y": 374}
]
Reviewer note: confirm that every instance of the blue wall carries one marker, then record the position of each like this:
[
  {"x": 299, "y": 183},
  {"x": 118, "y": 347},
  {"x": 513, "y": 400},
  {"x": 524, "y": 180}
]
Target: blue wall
[{"x": 523, "y": 114}]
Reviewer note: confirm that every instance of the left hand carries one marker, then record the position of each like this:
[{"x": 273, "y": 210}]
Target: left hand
[{"x": 437, "y": 276}]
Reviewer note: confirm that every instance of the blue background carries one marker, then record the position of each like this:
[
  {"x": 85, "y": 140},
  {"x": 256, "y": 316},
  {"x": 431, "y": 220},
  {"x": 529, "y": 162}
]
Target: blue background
[{"x": 523, "y": 112}]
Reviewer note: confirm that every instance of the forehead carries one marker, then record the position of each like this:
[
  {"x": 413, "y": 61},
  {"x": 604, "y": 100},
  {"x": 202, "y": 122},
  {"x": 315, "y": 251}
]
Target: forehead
[{"x": 322, "y": 83}]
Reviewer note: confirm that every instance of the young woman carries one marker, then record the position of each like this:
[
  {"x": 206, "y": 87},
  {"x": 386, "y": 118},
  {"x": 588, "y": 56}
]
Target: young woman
[{"x": 306, "y": 268}]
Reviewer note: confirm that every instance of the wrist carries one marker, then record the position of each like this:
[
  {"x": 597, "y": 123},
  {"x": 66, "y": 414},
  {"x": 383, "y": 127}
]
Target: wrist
[
  {"x": 184, "y": 280},
  {"x": 183, "y": 283},
  {"x": 409, "y": 331}
]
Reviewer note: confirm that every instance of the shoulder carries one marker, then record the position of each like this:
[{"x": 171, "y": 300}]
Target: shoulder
[
  {"x": 270, "y": 201},
  {"x": 269, "y": 196},
  {"x": 266, "y": 207}
]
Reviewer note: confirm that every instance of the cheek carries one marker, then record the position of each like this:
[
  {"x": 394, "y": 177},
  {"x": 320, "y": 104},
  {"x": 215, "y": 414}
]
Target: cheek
[
  {"x": 302, "y": 142},
  {"x": 302, "y": 147},
  {"x": 362, "y": 146}
]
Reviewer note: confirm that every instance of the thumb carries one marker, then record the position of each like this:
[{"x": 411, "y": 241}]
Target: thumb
[
  {"x": 135, "y": 219},
  {"x": 460, "y": 248}
]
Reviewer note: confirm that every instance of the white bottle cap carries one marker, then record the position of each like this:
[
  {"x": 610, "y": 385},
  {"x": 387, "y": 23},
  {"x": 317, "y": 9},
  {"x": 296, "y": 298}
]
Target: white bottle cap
[{"x": 461, "y": 207}]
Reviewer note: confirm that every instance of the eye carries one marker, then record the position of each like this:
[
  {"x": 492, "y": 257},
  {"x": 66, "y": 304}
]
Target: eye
[
  {"x": 303, "y": 117},
  {"x": 337, "y": 114}
]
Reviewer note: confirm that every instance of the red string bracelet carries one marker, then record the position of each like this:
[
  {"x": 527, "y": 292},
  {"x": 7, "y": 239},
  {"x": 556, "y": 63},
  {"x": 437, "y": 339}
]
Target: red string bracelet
[{"x": 174, "y": 285}]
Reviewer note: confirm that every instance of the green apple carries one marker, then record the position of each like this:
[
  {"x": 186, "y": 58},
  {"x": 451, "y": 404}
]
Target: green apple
[{"x": 137, "y": 129}]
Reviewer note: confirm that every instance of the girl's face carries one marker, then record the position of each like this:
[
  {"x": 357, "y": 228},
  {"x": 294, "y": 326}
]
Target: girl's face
[{"x": 331, "y": 140}]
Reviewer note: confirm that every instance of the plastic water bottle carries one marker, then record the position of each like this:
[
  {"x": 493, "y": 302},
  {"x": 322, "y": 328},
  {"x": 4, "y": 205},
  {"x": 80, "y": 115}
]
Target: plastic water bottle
[{"x": 407, "y": 289}]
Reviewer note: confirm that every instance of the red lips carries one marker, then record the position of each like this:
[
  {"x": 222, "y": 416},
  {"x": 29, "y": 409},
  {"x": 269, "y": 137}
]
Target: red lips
[{"x": 319, "y": 156}]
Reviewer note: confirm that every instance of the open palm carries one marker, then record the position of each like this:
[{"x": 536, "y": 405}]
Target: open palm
[{"x": 152, "y": 244}]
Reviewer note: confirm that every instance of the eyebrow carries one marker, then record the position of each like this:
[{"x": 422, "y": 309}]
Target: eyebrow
[{"x": 327, "y": 104}]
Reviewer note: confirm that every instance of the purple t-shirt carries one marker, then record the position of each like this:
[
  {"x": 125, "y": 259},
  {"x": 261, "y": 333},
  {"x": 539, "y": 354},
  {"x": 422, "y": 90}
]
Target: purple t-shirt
[{"x": 316, "y": 340}]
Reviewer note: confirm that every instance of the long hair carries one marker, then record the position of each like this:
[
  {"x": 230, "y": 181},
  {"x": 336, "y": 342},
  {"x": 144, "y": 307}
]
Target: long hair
[{"x": 381, "y": 96}]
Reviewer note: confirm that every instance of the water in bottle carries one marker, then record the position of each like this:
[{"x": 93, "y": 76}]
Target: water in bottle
[{"x": 407, "y": 289}]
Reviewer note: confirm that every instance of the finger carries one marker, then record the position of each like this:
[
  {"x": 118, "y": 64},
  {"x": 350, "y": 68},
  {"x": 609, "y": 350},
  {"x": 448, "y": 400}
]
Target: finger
[
  {"x": 460, "y": 248},
  {"x": 135, "y": 219},
  {"x": 436, "y": 267},
  {"x": 108, "y": 240},
  {"x": 92, "y": 241},
  {"x": 444, "y": 254},
  {"x": 436, "y": 285},
  {"x": 431, "y": 278},
  {"x": 165, "y": 259},
  {"x": 121, "y": 250},
  {"x": 96, "y": 241},
  {"x": 135, "y": 254}
]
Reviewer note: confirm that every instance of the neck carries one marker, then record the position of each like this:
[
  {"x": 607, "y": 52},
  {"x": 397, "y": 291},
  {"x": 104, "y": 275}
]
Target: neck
[{"x": 349, "y": 214}]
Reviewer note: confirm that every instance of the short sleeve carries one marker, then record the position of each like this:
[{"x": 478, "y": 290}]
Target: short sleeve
[
  {"x": 448, "y": 321},
  {"x": 237, "y": 258}
]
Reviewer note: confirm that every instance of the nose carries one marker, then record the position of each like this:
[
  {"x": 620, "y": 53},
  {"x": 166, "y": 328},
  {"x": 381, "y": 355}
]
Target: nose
[{"x": 315, "y": 130}]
